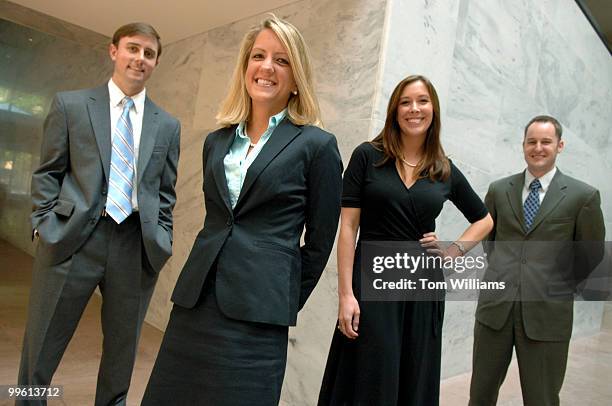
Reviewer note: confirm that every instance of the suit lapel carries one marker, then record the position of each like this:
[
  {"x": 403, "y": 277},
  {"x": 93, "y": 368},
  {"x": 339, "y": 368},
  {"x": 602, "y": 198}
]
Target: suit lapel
[
  {"x": 282, "y": 135},
  {"x": 554, "y": 195},
  {"x": 219, "y": 152},
  {"x": 514, "y": 193},
  {"x": 148, "y": 135},
  {"x": 98, "y": 107}
]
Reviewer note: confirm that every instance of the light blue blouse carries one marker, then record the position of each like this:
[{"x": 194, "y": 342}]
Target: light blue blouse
[{"x": 237, "y": 162}]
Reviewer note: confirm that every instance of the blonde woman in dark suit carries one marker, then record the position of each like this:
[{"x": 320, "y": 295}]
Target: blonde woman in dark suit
[{"x": 270, "y": 173}]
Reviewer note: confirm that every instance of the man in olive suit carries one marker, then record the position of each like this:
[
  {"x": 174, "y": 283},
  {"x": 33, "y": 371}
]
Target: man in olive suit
[{"x": 548, "y": 236}]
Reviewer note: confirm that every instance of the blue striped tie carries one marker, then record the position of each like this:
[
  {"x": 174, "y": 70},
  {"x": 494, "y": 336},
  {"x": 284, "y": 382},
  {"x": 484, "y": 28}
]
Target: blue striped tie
[
  {"x": 121, "y": 178},
  {"x": 532, "y": 203}
]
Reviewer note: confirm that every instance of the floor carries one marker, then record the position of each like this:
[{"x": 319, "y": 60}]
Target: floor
[
  {"x": 587, "y": 383},
  {"x": 78, "y": 370}
]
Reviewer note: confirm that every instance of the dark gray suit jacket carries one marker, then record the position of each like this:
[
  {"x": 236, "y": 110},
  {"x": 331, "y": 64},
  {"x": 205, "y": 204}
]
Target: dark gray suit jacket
[
  {"x": 263, "y": 274},
  {"x": 69, "y": 187},
  {"x": 541, "y": 266}
]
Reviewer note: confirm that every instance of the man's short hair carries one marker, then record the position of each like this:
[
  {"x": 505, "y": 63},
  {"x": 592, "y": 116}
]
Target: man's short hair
[
  {"x": 546, "y": 119},
  {"x": 132, "y": 29}
]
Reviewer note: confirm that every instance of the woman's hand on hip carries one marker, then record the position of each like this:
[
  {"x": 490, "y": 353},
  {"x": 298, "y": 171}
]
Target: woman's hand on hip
[{"x": 431, "y": 244}]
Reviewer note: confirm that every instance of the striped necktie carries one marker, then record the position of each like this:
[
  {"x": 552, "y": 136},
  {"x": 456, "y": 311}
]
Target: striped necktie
[
  {"x": 121, "y": 177},
  {"x": 532, "y": 203}
]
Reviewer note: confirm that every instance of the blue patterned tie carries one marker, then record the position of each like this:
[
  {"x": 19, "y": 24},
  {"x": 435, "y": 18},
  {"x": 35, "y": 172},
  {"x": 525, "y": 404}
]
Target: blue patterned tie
[
  {"x": 532, "y": 203},
  {"x": 121, "y": 178}
]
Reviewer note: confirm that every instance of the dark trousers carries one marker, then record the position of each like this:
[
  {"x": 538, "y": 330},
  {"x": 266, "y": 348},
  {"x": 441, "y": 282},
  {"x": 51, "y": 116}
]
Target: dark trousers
[
  {"x": 541, "y": 363},
  {"x": 113, "y": 259}
]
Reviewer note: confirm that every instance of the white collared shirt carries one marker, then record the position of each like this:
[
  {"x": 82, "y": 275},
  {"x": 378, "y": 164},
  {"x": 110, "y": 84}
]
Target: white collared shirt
[
  {"x": 544, "y": 181},
  {"x": 136, "y": 114}
]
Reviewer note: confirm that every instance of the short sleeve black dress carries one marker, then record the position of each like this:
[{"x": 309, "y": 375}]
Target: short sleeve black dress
[{"x": 396, "y": 358}]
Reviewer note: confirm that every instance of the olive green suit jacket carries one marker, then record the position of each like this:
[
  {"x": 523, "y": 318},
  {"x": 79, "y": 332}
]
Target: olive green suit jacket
[{"x": 542, "y": 266}]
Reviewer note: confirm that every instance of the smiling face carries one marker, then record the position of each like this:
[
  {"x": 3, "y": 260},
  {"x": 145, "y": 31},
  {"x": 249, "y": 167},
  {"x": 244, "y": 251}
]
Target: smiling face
[
  {"x": 269, "y": 77},
  {"x": 415, "y": 110},
  {"x": 135, "y": 58},
  {"x": 541, "y": 147}
]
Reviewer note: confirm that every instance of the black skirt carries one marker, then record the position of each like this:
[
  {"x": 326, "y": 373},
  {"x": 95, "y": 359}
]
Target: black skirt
[
  {"x": 394, "y": 361},
  {"x": 209, "y": 359}
]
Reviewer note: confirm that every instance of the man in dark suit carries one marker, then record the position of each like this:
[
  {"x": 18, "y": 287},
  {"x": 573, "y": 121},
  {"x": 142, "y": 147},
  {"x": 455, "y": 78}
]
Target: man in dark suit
[
  {"x": 548, "y": 236},
  {"x": 102, "y": 214}
]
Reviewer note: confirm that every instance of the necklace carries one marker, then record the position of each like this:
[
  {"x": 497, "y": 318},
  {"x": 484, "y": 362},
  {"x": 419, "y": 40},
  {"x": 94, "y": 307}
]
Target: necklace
[{"x": 408, "y": 163}]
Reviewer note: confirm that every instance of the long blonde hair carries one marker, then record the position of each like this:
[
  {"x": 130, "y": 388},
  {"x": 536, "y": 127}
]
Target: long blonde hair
[{"x": 302, "y": 108}]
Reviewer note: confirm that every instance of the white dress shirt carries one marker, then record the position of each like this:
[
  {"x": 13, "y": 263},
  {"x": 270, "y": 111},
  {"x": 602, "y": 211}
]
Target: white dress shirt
[
  {"x": 544, "y": 181},
  {"x": 136, "y": 114}
]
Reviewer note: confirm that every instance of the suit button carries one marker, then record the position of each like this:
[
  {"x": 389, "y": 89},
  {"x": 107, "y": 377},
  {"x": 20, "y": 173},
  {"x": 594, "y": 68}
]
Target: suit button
[
  {"x": 523, "y": 261},
  {"x": 229, "y": 221},
  {"x": 104, "y": 192},
  {"x": 92, "y": 220}
]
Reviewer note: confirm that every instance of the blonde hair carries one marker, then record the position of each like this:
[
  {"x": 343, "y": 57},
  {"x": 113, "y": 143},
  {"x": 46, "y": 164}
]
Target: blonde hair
[{"x": 303, "y": 108}]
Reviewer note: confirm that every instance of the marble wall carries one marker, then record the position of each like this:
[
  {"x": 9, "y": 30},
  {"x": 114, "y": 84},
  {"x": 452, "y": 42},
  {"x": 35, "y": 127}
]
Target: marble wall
[
  {"x": 495, "y": 65},
  {"x": 33, "y": 67}
]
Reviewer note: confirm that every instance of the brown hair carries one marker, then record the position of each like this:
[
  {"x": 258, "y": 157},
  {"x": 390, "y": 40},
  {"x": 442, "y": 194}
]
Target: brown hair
[
  {"x": 303, "y": 107},
  {"x": 131, "y": 29},
  {"x": 434, "y": 163},
  {"x": 545, "y": 119}
]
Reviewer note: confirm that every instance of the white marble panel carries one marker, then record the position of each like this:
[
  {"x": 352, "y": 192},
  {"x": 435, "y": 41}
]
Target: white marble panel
[
  {"x": 505, "y": 37},
  {"x": 175, "y": 82},
  {"x": 560, "y": 76},
  {"x": 457, "y": 340},
  {"x": 587, "y": 318},
  {"x": 309, "y": 342},
  {"x": 419, "y": 39},
  {"x": 345, "y": 40},
  {"x": 579, "y": 36},
  {"x": 474, "y": 90}
]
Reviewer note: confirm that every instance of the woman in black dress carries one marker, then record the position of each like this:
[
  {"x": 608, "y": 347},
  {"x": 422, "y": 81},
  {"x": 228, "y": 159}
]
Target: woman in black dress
[
  {"x": 389, "y": 353},
  {"x": 270, "y": 173}
]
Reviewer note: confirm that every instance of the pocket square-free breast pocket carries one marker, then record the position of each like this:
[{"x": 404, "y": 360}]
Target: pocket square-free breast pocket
[{"x": 560, "y": 220}]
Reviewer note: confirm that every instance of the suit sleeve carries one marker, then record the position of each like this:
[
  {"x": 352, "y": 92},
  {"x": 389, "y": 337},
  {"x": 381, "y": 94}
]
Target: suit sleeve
[
  {"x": 489, "y": 202},
  {"x": 205, "y": 156},
  {"x": 322, "y": 214},
  {"x": 54, "y": 157},
  {"x": 589, "y": 237},
  {"x": 167, "y": 192}
]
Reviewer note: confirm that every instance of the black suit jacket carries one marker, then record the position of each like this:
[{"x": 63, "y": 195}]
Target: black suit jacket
[{"x": 263, "y": 275}]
